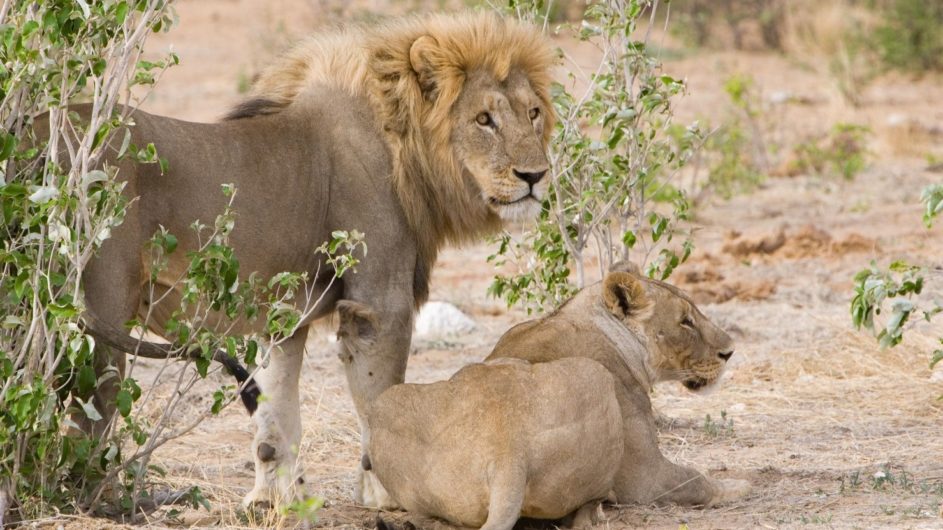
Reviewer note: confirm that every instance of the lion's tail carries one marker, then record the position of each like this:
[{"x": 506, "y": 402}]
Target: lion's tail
[{"x": 118, "y": 339}]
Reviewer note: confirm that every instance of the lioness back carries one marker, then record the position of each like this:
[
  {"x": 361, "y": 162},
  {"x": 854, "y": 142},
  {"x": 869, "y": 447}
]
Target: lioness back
[{"x": 545, "y": 434}]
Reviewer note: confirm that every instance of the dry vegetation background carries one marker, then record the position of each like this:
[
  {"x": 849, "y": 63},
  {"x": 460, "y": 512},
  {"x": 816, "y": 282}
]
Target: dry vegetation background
[{"x": 832, "y": 431}]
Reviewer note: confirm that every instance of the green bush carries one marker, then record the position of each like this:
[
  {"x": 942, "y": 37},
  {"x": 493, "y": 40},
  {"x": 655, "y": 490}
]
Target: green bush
[
  {"x": 910, "y": 35},
  {"x": 842, "y": 152},
  {"x": 732, "y": 168},
  {"x": 897, "y": 289},
  {"x": 612, "y": 192},
  {"x": 735, "y": 153},
  {"x": 58, "y": 203},
  {"x": 55, "y": 212}
]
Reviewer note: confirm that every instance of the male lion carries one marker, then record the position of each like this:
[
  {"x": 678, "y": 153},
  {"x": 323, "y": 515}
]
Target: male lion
[
  {"x": 502, "y": 440},
  {"x": 417, "y": 132},
  {"x": 643, "y": 331}
]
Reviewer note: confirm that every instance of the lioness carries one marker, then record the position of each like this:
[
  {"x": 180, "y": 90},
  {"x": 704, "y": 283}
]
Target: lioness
[
  {"x": 416, "y": 132},
  {"x": 643, "y": 331},
  {"x": 499, "y": 441}
]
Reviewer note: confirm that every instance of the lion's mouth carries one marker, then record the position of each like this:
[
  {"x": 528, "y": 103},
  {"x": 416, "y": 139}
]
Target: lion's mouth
[
  {"x": 696, "y": 383},
  {"x": 498, "y": 202}
]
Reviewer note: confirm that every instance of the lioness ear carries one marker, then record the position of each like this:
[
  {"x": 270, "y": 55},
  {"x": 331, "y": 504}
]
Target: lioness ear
[
  {"x": 625, "y": 296},
  {"x": 421, "y": 58},
  {"x": 625, "y": 266}
]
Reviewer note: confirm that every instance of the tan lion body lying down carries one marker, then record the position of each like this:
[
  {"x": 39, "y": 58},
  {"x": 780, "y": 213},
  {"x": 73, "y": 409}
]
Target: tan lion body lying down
[
  {"x": 507, "y": 439},
  {"x": 492, "y": 443}
]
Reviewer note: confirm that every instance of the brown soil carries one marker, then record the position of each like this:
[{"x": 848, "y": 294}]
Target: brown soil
[{"x": 813, "y": 413}]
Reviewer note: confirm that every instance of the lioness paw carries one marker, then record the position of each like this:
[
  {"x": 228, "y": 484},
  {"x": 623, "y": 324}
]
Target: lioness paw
[
  {"x": 727, "y": 490},
  {"x": 588, "y": 516}
]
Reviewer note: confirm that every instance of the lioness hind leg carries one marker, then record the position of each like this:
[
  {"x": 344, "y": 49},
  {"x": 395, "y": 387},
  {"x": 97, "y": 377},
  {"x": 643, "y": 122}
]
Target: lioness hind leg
[
  {"x": 587, "y": 516},
  {"x": 278, "y": 474},
  {"x": 507, "y": 497}
]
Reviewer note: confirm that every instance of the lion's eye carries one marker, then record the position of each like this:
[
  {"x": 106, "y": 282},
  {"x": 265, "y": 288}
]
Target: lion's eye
[
  {"x": 687, "y": 322},
  {"x": 484, "y": 119},
  {"x": 534, "y": 112}
]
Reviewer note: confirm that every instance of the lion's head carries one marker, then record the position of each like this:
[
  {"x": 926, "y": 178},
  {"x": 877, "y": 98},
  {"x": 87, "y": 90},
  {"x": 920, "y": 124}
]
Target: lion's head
[
  {"x": 497, "y": 138},
  {"x": 463, "y": 101},
  {"x": 684, "y": 345}
]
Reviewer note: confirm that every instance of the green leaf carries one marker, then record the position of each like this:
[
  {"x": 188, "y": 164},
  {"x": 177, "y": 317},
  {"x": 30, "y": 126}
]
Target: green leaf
[
  {"x": 124, "y": 402},
  {"x": 86, "y": 380},
  {"x": 937, "y": 356},
  {"x": 252, "y": 349},
  {"x": 8, "y": 145},
  {"x": 202, "y": 366},
  {"x": 121, "y": 12},
  {"x": 219, "y": 397}
]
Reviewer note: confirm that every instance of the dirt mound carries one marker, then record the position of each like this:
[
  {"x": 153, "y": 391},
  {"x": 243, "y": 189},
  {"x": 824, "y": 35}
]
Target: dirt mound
[
  {"x": 745, "y": 247},
  {"x": 806, "y": 242},
  {"x": 708, "y": 286}
]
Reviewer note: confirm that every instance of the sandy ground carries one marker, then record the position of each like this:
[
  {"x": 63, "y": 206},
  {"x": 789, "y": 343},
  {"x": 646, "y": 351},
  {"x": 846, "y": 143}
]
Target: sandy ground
[{"x": 813, "y": 413}]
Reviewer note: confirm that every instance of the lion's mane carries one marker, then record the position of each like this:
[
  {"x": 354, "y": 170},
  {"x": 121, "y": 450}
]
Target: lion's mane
[{"x": 374, "y": 62}]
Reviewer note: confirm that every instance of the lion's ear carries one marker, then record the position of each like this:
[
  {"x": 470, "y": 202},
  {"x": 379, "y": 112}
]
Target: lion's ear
[
  {"x": 625, "y": 296},
  {"x": 422, "y": 58},
  {"x": 625, "y": 266}
]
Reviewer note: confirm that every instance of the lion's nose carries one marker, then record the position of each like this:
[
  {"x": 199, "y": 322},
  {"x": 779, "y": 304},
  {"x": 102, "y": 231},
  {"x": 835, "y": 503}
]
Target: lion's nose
[
  {"x": 725, "y": 355},
  {"x": 530, "y": 177}
]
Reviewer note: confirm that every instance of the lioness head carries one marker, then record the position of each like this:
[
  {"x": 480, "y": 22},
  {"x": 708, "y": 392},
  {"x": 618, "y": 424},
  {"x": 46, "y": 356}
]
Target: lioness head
[
  {"x": 500, "y": 115},
  {"x": 684, "y": 344}
]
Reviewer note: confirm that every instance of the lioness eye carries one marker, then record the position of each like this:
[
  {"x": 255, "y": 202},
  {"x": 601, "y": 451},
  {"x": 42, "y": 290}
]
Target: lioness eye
[
  {"x": 484, "y": 119},
  {"x": 687, "y": 322},
  {"x": 534, "y": 112}
]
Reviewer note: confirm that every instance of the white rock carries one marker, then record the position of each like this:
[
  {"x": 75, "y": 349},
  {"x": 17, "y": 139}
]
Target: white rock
[
  {"x": 780, "y": 96},
  {"x": 441, "y": 319},
  {"x": 937, "y": 375},
  {"x": 897, "y": 119}
]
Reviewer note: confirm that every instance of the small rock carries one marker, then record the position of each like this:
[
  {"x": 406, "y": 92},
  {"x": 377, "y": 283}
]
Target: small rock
[
  {"x": 440, "y": 319},
  {"x": 896, "y": 119},
  {"x": 937, "y": 375},
  {"x": 780, "y": 96}
]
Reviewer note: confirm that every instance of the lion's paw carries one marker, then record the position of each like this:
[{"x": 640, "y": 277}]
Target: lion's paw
[
  {"x": 278, "y": 478},
  {"x": 727, "y": 490},
  {"x": 371, "y": 493},
  {"x": 266, "y": 497}
]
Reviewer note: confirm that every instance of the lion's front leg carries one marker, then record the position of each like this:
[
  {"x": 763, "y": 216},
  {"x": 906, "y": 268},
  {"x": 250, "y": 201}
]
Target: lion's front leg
[
  {"x": 278, "y": 473},
  {"x": 374, "y": 347}
]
